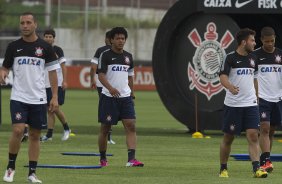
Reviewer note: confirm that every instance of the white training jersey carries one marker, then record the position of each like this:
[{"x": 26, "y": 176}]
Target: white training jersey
[
  {"x": 269, "y": 74},
  {"x": 117, "y": 68},
  {"x": 240, "y": 71},
  {"x": 28, "y": 61}
]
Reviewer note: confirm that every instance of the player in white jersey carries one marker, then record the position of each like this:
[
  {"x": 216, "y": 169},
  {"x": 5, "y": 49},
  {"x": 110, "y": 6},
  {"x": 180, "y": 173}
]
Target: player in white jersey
[
  {"x": 27, "y": 58},
  {"x": 269, "y": 86},
  {"x": 116, "y": 102},
  {"x": 240, "y": 105},
  {"x": 49, "y": 37},
  {"x": 95, "y": 83}
]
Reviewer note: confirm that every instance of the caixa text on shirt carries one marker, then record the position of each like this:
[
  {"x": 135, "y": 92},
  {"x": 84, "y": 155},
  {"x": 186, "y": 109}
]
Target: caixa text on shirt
[
  {"x": 120, "y": 68},
  {"x": 29, "y": 61},
  {"x": 245, "y": 71},
  {"x": 270, "y": 69}
]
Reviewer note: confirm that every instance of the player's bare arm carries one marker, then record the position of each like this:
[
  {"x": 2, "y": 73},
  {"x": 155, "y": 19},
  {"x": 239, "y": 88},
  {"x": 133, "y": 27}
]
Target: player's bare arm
[
  {"x": 54, "y": 87},
  {"x": 64, "y": 72},
  {"x": 130, "y": 84},
  {"x": 3, "y": 74},
  {"x": 93, "y": 70},
  {"x": 113, "y": 91},
  {"x": 225, "y": 82}
]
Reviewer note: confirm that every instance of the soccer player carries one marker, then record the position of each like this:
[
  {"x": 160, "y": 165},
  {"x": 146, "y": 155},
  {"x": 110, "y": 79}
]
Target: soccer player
[
  {"x": 95, "y": 83},
  {"x": 116, "y": 102},
  {"x": 49, "y": 37},
  {"x": 240, "y": 104},
  {"x": 269, "y": 86},
  {"x": 27, "y": 57}
]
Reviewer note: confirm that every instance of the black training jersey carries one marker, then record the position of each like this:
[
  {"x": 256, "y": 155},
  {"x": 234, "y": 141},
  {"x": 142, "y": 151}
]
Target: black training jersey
[
  {"x": 269, "y": 74},
  {"x": 28, "y": 60},
  {"x": 117, "y": 68},
  {"x": 98, "y": 53},
  {"x": 61, "y": 58},
  {"x": 95, "y": 60},
  {"x": 240, "y": 70}
]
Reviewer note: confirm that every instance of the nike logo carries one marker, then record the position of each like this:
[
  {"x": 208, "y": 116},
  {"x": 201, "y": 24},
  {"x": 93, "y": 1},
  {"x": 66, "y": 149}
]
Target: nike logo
[
  {"x": 238, "y": 62},
  {"x": 18, "y": 50},
  {"x": 113, "y": 59},
  {"x": 262, "y": 59},
  {"x": 239, "y": 5}
]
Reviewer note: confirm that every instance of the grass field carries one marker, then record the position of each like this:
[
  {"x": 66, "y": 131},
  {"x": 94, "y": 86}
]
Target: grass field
[{"x": 170, "y": 155}]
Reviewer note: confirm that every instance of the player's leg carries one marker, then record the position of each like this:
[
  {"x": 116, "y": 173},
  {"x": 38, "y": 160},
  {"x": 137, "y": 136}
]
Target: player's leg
[
  {"x": 127, "y": 114},
  {"x": 61, "y": 115},
  {"x": 251, "y": 124},
  {"x": 50, "y": 126},
  {"x": 231, "y": 126},
  {"x": 107, "y": 115},
  {"x": 102, "y": 142},
  {"x": 267, "y": 115},
  {"x": 37, "y": 118},
  {"x": 271, "y": 135},
  {"x": 99, "y": 90},
  {"x": 50, "y": 118},
  {"x": 19, "y": 117},
  {"x": 225, "y": 149}
]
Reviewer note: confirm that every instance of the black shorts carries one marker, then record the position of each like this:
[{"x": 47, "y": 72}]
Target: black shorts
[
  {"x": 32, "y": 114},
  {"x": 111, "y": 109},
  {"x": 270, "y": 111},
  {"x": 61, "y": 95},
  {"x": 238, "y": 119}
]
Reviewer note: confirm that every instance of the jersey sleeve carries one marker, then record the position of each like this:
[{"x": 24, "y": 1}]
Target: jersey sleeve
[
  {"x": 9, "y": 58},
  {"x": 226, "y": 66},
  {"x": 51, "y": 62},
  {"x": 103, "y": 64},
  {"x": 131, "y": 67},
  {"x": 60, "y": 53},
  {"x": 95, "y": 59}
]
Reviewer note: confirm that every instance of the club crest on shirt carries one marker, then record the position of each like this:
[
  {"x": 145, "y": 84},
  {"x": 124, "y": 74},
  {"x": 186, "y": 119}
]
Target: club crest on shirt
[
  {"x": 277, "y": 58},
  {"x": 126, "y": 60},
  {"x": 252, "y": 62},
  {"x": 18, "y": 116},
  {"x": 38, "y": 51}
]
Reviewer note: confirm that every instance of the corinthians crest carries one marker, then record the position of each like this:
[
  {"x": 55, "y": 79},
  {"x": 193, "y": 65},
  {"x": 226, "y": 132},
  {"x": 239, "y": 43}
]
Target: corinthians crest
[{"x": 207, "y": 60}]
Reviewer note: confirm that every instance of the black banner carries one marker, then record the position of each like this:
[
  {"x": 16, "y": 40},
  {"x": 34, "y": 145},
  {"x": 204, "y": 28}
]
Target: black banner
[{"x": 240, "y": 6}]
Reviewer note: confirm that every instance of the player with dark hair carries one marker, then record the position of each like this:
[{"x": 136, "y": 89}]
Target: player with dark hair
[
  {"x": 241, "y": 111},
  {"x": 94, "y": 81},
  {"x": 116, "y": 102},
  {"x": 269, "y": 87},
  {"x": 49, "y": 37},
  {"x": 27, "y": 57}
]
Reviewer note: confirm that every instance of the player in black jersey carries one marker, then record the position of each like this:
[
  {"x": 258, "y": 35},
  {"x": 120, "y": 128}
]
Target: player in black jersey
[
  {"x": 49, "y": 37},
  {"x": 116, "y": 73},
  {"x": 269, "y": 86},
  {"x": 94, "y": 81},
  {"x": 27, "y": 57},
  {"x": 240, "y": 105}
]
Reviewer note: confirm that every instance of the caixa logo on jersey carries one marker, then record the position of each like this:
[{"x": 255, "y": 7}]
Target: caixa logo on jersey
[{"x": 208, "y": 57}]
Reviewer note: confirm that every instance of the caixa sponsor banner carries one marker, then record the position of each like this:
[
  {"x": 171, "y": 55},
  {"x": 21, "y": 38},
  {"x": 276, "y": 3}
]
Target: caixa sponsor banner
[
  {"x": 240, "y": 6},
  {"x": 78, "y": 77}
]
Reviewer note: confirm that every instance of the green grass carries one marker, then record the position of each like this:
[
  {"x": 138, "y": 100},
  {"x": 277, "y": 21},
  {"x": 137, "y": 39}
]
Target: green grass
[{"x": 170, "y": 155}]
